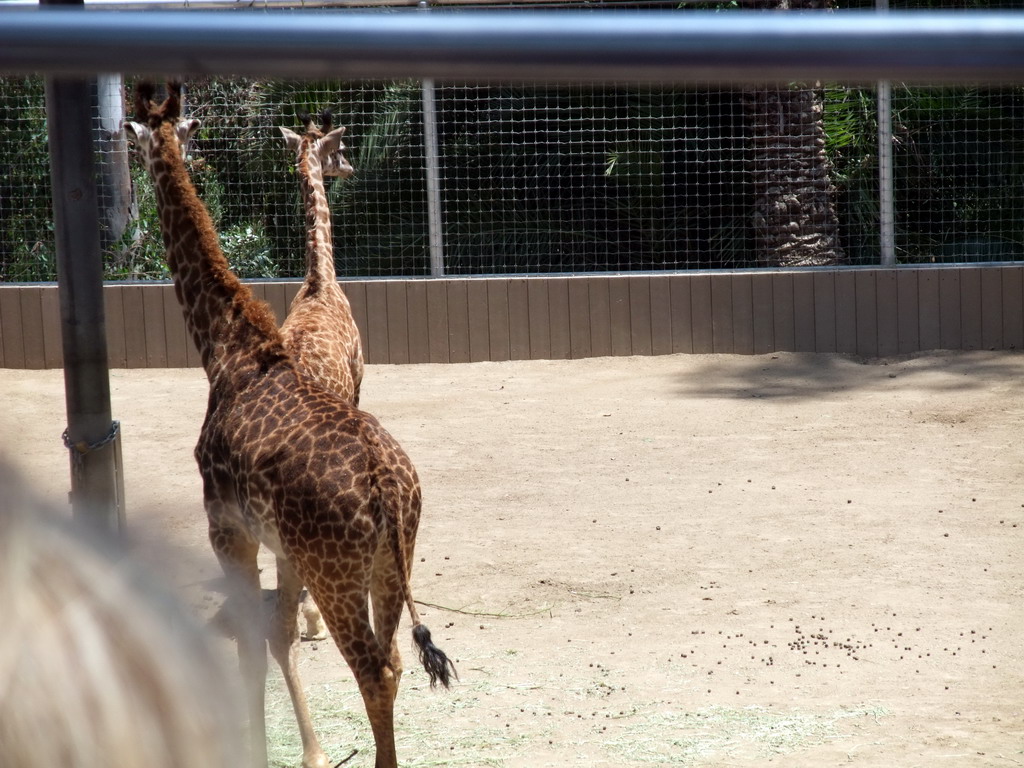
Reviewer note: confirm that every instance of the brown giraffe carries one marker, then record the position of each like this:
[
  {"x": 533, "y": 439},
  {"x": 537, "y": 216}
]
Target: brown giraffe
[
  {"x": 288, "y": 465},
  {"x": 320, "y": 333}
]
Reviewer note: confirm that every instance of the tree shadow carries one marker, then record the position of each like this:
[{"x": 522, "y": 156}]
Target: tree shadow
[{"x": 792, "y": 376}]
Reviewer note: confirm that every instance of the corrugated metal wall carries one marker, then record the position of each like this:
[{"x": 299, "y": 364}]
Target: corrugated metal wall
[{"x": 868, "y": 312}]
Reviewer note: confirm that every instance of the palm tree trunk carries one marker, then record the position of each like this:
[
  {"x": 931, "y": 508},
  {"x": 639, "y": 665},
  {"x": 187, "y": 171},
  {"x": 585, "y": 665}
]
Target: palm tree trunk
[{"x": 795, "y": 222}]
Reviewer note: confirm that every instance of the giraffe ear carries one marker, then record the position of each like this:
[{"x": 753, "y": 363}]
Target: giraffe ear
[
  {"x": 332, "y": 141},
  {"x": 186, "y": 129},
  {"x": 135, "y": 132},
  {"x": 331, "y": 150},
  {"x": 291, "y": 138}
]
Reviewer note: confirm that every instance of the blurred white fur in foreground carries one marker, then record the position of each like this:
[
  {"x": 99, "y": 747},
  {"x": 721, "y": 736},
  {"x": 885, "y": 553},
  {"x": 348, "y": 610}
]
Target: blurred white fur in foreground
[{"x": 98, "y": 666}]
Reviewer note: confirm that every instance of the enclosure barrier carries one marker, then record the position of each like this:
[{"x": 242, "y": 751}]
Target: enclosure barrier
[
  {"x": 644, "y": 47},
  {"x": 871, "y": 312}
]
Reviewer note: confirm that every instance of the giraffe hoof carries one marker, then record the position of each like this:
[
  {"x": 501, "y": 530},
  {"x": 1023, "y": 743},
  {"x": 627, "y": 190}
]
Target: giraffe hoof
[
  {"x": 224, "y": 622},
  {"x": 315, "y": 627}
]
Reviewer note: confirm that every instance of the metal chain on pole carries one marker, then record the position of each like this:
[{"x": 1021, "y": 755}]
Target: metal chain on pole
[{"x": 80, "y": 449}]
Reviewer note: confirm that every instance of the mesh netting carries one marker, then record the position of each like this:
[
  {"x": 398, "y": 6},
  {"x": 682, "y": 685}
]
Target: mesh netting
[{"x": 536, "y": 178}]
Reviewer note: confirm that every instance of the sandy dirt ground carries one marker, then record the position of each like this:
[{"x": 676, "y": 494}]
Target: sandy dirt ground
[{"x": 686, "y": 560}]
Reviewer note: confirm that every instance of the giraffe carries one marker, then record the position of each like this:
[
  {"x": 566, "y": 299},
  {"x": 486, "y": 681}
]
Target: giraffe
[
  {"x": 319, "y": 331},
  {"x": 289, "y": 465}
]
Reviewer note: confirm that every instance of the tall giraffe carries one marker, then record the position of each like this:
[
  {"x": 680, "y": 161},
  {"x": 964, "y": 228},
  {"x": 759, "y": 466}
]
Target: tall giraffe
[
  {"x": 288, "y": 465},
  {"x": 319, "y": 331}
]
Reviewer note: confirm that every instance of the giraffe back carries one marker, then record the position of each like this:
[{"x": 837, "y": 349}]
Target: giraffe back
[
  {"x": 322, "y": 338},
  {"x": 305, "y": 467}
]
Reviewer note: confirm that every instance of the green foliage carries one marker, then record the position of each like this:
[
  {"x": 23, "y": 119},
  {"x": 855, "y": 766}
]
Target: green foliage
[
  {"x": 379, "y": 213},
  {"x": 248, "y": 250},
  {"x": 140, "y": 253},
  {"x": 850, "y": 120},
  {"x": 26, "y": 222}
]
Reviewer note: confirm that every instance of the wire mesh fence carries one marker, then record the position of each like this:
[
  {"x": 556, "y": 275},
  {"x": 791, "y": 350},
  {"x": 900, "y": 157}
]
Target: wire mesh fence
[{"x": 541, "y": 178}]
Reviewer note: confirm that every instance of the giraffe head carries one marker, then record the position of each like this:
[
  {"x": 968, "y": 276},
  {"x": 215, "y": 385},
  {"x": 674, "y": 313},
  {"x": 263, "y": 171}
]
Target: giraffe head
[
  {"x": 323, "y": 143},
  {"x": 145, "y": 131}
]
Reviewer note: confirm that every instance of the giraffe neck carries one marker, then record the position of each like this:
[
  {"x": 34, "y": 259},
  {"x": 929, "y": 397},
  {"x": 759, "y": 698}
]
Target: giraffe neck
[
  {"x": 319, "y": 243},
  {"x": 232, "y": 330}
]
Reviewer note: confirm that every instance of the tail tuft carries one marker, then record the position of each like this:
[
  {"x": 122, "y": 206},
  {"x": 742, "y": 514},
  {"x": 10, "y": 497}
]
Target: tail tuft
[{"x": 433, "y": 659}]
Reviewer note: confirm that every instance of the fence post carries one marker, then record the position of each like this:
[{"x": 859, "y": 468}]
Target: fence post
[
  {"x": 91, "y": 436},
  {"x": 886, "y": 204},
  {"x": 115, "y": 179},
  {"x": 433, "y": 174},
  {"x": 434, "y": 222}
]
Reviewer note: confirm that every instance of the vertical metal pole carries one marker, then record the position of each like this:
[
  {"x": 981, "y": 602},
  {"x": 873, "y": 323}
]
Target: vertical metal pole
[
  {"x": 114, "y": 177},
  {"x": 91, "y": 434},
  {"x": 433, "y": 181},
  {"x": 886, "y": 204},
  {"x": 433, "y": 171}
]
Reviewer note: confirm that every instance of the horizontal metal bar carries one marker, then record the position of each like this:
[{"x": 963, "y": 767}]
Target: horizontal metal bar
[
  {"x": 181, "y": 5},
  {"x": 191, "y": 5},
  {"x": 528, "y": 45},
  {"x": 348, "y": 4}
]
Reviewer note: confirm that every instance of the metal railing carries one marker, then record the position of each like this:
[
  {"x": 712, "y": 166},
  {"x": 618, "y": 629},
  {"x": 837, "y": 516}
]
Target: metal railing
[{"x": 526, "y": 45}]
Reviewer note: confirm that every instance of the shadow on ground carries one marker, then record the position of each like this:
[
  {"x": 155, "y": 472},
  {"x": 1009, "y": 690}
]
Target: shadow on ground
[{"x": 787, "y": 375}]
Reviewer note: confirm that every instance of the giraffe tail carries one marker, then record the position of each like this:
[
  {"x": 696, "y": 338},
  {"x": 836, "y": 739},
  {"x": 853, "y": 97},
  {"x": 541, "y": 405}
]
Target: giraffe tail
[{"x": 439, "y": 667}]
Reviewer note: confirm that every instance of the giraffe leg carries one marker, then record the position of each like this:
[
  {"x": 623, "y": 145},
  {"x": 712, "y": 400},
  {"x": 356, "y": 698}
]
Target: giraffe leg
[
  {"x": 237, "y": 552},
  {"x": 388, "y": 604},
  {"x": 372, "y": 668},
  {"x": 284, "y": 646}
]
